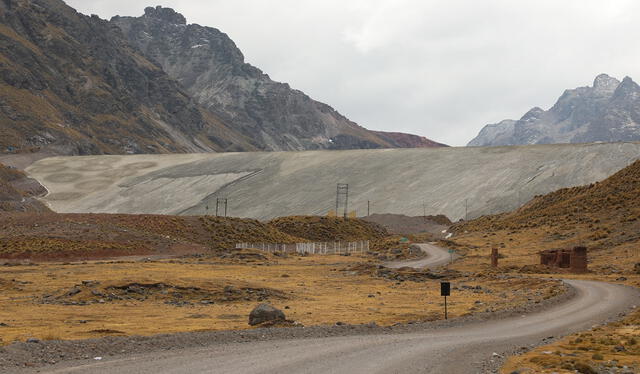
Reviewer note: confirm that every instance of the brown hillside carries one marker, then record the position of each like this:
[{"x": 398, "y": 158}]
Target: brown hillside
[
  {"x": 603, "y": 216},
  {"x": 322, "y": 229},
  {"x": 612, "y": 205},
  {"x": 50, "y": 236},
  {"x": 18, "y": 192},
  {"x": 72, "y": 84}
]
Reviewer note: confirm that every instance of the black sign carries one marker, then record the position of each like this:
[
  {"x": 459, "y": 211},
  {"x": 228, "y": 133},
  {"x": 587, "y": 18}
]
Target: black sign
[{"x": 445, "y": 289}]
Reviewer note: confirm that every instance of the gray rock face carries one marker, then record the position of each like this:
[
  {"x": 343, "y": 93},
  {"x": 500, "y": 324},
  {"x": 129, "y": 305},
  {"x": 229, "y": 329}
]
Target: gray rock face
[
  {"x": 72, "y": 84},
  {"x": 265, "y": 313},
  {"x": 212, "y": 69},
  {"x": 608, "y": 111}
]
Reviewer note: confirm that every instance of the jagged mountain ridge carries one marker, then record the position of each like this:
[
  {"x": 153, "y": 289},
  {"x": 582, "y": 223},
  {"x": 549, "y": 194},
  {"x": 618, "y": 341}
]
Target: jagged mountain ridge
[
  {"x": 212, "y": 69},
  {"x": 608, "y": 111},
  {"x": 72, "y": 84}
]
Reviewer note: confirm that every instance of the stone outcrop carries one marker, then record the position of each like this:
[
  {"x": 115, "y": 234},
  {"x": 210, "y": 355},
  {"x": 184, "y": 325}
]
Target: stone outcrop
[
  {"x": 608, "y": 111},
  {"x": 276, "y": 117},
  {"x": 265, "y": 313}
]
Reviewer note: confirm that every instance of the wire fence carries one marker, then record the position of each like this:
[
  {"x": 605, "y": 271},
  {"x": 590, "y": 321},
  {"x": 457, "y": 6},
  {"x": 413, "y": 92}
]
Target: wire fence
[{"x": 324, "y": 248}]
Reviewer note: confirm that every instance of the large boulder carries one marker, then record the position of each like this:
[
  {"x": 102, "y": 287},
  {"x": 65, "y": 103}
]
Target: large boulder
[{"x": 265, "y": 313}]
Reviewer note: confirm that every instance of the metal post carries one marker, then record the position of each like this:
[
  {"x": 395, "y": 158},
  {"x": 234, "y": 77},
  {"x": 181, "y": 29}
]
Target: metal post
[
  {"x": 368, "y": 208},
  {"x": 226, "y": 202},
  {"x": 446, "y": 315}
]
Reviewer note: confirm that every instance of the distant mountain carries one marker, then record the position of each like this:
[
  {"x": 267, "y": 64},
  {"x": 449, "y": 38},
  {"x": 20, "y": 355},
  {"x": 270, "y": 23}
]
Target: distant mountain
[
  {"x": 72, "y": 84},
  {"x": 212, "y": 69},
  {"x": 609, "y": 111}
]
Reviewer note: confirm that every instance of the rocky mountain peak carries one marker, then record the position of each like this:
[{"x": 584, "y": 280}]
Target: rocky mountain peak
[
  {"x": 607, "y": 112},
  {"x": 626, "y": 87},
  {"x": 165, "y": 14},
  {"x": 209, "y": 65},
  {"x": 605, "y": 83},
  {"x": 533, "y": 113}
]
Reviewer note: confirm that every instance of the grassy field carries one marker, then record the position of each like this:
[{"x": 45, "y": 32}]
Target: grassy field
[{"x": 145, "y": 298}]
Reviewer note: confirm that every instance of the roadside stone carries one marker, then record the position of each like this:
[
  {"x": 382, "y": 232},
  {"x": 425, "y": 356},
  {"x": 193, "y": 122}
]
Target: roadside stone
[
  {"x": 73, "y": 291},
  {"x": 265, "y": 313},
  {"x": 33, "y": 340}
]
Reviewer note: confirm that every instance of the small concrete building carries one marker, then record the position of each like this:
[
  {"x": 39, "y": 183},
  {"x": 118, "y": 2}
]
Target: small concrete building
[{"x": 574, "y": 259}]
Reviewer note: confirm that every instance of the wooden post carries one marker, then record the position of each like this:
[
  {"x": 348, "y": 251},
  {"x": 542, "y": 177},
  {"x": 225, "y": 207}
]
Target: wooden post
[{"x": 494, "y": 257}]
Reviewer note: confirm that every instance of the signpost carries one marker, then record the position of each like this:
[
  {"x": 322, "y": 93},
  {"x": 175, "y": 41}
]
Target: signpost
[{"x": 445, "y": 290}]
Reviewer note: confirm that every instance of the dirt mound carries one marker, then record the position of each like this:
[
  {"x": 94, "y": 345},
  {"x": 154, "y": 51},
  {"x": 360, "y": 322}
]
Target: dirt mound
[
  {"x": 400, "y": 275},
  {"x": 325, "y": 229},
  {"x": 92, "y": 292},
  {"x": 406, "y": 225},
  {"x": 51, "y": 236},
  {"x": 18, "y": 192}
]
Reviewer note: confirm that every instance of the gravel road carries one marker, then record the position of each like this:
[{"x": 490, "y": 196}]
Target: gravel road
[{"x": 436, "y": 256}]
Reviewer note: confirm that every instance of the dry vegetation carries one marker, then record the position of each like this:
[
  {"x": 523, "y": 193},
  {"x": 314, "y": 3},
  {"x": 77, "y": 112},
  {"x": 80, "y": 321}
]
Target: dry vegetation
[
  {"x": 611, "y": 348},
  {"x": 321, "y": 229},
  {"x": 83, "y": 300},
  {"x": 53, "y": 236}
]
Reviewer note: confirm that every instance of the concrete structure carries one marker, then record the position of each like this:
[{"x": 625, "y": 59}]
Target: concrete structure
[
  {"x": 574, "y": 259},
  {"x": 265, "y": 185}
]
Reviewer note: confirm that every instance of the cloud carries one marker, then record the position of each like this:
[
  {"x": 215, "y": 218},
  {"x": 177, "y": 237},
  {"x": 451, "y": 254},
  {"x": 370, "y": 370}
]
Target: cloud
[{"x": 442, "y": 69}]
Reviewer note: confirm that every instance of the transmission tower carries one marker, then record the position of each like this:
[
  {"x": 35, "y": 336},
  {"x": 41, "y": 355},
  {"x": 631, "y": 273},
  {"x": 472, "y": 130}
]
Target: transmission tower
[{"x": 342, "y": 195}]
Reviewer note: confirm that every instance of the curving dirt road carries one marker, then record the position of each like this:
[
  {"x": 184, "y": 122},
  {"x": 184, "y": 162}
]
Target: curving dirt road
[
  {"x": 436, "y": 256},
  {"x": 452, "y": 350}
]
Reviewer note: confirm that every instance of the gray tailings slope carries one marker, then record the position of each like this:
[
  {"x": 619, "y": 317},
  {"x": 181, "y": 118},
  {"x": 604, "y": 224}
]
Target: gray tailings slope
[{"x": 266, "y": 185}]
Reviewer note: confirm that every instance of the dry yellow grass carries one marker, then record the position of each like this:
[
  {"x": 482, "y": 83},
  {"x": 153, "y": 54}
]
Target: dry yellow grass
[
  {"x": 598, "y": 348},
  {"x": 318, "y": 291}
]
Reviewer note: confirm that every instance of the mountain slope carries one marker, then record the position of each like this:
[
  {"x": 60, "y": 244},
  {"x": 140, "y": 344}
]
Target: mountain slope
[
  {"x": 71, "y": 84},
  {"x": 608, "y": 111},
  {"x": 210, "y": 66},
  {"x": 18, "y": 193}
]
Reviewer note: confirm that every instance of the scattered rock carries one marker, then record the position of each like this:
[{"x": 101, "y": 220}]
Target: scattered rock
[
  {"x": 265, "y": 313},
  {"x": 583, "y": 368},
  {"x": 33, "y": 340}
]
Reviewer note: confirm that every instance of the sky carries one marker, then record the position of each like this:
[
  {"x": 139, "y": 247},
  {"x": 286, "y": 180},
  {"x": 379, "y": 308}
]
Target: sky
[{"x": 440, "y": 69}]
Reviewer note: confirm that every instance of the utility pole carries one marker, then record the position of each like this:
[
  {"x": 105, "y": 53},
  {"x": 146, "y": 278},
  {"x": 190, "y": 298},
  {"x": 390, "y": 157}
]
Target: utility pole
[
  {"x": 220, "y": 201},
  {"x": 342, "y": 190},
  {"x": 368, "y": 208}
]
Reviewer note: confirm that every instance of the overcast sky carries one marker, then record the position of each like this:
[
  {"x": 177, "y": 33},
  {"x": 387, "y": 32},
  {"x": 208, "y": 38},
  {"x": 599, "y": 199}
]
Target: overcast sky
[{"x": 441, "y": 69}]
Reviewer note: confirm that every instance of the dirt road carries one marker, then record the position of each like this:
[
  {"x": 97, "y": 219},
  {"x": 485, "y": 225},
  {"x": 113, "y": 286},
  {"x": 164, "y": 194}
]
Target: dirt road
[
  {"x": 436, "y": 256},
  {"x": 463, "y": 349}
]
